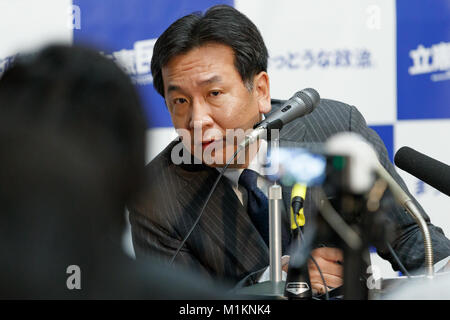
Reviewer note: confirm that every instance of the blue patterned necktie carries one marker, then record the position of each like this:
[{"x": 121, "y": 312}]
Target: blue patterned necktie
[{"x": 257, "y": 203}]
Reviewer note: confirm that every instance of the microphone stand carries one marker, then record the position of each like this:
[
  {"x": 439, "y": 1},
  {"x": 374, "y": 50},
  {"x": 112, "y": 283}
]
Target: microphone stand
[
  {"x": 350, "y": 240},
  {"x": 411, "y": 208},
  {"x": 275, "y": 286},
  {"x": 275, "y": 203}
]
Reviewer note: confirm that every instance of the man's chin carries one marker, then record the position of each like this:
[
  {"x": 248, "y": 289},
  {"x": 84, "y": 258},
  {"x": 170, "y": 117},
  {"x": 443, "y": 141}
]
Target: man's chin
[
  {"x": 218, "y": 158},
  {"x": 219, "y": 161},
  {"x": 231, "y": 166}
]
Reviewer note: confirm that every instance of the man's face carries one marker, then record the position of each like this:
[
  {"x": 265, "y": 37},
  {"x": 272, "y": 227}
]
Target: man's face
[{"x": 205, "y": 96}]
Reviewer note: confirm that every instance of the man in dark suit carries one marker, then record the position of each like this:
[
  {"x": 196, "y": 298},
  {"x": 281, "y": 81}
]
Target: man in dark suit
[{"x": 211, "y": 71}]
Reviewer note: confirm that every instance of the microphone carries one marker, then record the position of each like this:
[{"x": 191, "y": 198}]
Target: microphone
[
  {"x": 429, "y": 170},
  {"x": 361, "y": 152},
  {"x": 302, "y": 103},
  {"x": 359, "y": 176},
  {"x": 297, "y": 205},
  {"x": 298, "y": 284},
  {"x": 298, "y": 196}
]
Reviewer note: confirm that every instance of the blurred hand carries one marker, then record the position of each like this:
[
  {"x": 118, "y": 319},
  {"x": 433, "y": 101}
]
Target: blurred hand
[{"x": 330, "y": 261}]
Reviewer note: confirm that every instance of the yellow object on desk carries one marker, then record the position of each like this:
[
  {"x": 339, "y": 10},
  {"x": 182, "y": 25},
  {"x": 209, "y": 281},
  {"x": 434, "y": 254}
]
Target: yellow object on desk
[{"x": 298, "y": 190}]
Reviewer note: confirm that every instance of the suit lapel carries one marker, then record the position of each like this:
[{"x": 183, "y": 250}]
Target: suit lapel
[{"x": 224, "y": 220}]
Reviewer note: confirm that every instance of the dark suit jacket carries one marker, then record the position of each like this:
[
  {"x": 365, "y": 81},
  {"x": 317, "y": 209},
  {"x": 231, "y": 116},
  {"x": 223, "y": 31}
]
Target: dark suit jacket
[{"x": 225, "y": 244}]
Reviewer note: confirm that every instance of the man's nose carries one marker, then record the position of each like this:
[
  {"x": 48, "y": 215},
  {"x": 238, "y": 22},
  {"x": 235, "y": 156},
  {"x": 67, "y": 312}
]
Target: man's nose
[{"x": 200, "y": 116}]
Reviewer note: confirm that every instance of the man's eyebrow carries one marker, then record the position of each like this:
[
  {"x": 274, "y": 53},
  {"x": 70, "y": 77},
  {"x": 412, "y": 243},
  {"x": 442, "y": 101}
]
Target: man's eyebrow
[
  {"x": 172, "y": 87},
  {"x": 213, "y": 79}
]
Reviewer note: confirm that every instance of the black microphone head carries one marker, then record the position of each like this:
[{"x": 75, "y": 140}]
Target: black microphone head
[
  {"x": 404, "y": 156},
  {"x": 429, "y": 170},
  {"x": 410, "y": 160}
]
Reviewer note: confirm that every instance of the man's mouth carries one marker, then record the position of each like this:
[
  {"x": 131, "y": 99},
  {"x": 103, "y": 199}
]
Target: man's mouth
[{"x": 206, "y": 143}]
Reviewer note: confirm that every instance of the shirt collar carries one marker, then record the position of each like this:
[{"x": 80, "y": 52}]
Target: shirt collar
[{"x": 256, "y": 164}]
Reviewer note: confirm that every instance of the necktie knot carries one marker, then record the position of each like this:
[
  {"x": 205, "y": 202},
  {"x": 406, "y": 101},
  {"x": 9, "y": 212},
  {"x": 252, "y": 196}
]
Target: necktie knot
[{"x": 248, "y": 179}]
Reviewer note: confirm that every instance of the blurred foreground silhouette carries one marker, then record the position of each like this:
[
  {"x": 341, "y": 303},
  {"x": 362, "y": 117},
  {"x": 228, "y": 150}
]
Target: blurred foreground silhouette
[{"x": 72, "y": 145}]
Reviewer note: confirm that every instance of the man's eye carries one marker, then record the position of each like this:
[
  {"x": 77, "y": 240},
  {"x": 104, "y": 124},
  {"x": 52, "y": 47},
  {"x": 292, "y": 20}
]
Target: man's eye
[
  {"x": 214, "y": 93},
  {"x": 179, "y": 101}
]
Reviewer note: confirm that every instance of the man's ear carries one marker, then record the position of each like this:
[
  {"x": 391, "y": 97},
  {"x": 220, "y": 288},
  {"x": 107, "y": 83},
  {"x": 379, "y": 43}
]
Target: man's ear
[{"x": 261, "y": 90}]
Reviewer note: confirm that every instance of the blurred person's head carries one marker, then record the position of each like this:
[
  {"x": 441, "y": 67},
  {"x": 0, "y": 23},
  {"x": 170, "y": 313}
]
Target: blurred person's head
[
  {"x": 77, "y": 93},
  {"x": 54, "y": 212},
  {"x": 72, "y": 152}
]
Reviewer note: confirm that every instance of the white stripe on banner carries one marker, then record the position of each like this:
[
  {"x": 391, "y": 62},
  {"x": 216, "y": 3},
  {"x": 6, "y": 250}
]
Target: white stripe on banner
[
  {"x": 344, "y": 49},
  {"x": 29, "y": 24}
]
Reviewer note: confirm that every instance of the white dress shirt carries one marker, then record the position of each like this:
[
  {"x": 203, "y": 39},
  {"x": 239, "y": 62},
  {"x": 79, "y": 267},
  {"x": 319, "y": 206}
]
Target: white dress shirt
[{"x": 256, "y": 164}]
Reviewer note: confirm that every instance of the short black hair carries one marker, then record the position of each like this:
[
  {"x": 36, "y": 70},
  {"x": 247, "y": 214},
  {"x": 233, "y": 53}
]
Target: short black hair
[
  {"x": 77, "y": 93},
  {"x": 221, "y": 24}
]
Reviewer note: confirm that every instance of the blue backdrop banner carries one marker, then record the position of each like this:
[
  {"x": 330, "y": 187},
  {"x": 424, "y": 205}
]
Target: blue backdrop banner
[
  {"x": 126, "y": 31},
  {"x": 423, "y": 59}
]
